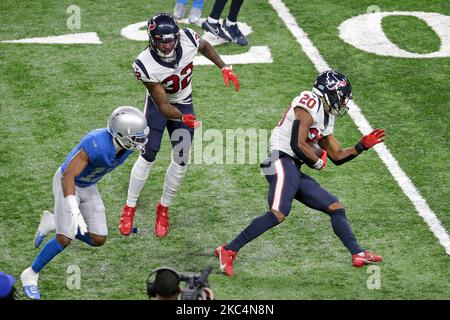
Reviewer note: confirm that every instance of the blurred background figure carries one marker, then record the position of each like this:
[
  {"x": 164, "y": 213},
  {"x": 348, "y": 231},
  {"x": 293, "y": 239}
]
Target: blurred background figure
[
  {"x": 7, "y": 289},
  {"x": 229, "y": 30},
  {"x": 194, "y": 14}
]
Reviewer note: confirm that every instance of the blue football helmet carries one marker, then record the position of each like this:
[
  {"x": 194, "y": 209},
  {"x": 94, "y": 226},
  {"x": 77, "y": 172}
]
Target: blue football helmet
[
  {"x": 163, "y": 29},
  {"x": 335, "y": 89}
]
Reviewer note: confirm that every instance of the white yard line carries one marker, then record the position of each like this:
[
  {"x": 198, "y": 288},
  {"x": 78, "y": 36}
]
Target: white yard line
[
  {"x": 71, "y": 38},
  {"x": 364, "y": 126}
]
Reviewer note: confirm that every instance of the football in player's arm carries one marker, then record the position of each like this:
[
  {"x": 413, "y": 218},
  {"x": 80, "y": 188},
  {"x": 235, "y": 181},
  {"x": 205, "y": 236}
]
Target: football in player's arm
[
  {"x": 333, "y": 149},
  {"x": 309, "y": 119}
]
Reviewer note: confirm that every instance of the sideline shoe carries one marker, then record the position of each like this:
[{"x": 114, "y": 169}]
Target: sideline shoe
[
  {"x": 367, "y": 258},
  {"x": 215, "y": 29},
  {"x": 195, "y": 14},
  {"x": 126, "y": 220},
  {"x": 46, "y": 225},
  {"x": 162, "y": 220},
  {"x": 235, "y": 34},
  {"x": 29, "y": 280},
  {"x": 226, "y": 259},
  {"x": 179, "y": 10}
]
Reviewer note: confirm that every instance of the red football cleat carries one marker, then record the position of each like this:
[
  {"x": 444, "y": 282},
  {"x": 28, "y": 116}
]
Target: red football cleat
[
  {"x": 226, "y": 259},
  {"x": 162, "y": 220},
  {"x": 126, "y": 220},
  {"x": 367, "y": 258}
]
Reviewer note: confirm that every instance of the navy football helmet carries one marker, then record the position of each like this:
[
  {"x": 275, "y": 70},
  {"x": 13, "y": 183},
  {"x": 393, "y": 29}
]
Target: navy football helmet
[
  {"x": 336, "y": 90},
  {"x": 163, "y": 29}
]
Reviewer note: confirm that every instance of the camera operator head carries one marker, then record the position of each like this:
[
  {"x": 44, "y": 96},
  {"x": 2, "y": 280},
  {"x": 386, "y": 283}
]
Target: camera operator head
[{"x": 165, "y": 285}]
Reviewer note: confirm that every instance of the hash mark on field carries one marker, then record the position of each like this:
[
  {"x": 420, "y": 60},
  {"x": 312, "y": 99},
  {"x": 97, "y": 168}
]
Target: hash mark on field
[{"x": 364, "y": 126}]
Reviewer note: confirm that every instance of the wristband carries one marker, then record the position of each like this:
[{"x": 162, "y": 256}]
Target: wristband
[
  {"x": 318, "y": 165},
  {"x": 360, "y": 147}
]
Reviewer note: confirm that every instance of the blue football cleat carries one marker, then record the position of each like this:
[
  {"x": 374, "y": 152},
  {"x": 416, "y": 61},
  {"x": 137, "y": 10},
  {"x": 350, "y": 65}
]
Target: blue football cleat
[
  {"x": 32, "y": 292},
  {"x": 38, "y": 238}
]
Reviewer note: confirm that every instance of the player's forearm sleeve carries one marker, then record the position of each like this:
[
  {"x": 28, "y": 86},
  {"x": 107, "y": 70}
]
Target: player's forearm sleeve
[
  {"x": 294, "y": 144},
  {"x": 343, "y": 160}
]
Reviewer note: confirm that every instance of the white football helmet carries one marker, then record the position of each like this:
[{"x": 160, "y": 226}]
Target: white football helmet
[{"x": 128, "y": 127}]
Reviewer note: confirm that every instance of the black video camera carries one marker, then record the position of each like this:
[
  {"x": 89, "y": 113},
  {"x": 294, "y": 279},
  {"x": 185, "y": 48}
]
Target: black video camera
[{"x": 195, "y": 285}]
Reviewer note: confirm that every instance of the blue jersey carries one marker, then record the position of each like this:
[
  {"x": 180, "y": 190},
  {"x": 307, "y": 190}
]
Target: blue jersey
[{"x": 98, "y": 145}]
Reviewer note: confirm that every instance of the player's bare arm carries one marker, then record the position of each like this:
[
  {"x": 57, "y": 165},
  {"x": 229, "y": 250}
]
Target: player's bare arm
[
  {"x": 340, "y": 156},
  {"x": 207, "y": 50},
  {"x": 335, "y": 152},
  {"x": 158, "y": 95},
  {"x": 75, "y": 167}
]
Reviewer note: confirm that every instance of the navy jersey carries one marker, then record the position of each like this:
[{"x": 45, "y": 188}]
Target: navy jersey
[{"x": 98, "y": 145}]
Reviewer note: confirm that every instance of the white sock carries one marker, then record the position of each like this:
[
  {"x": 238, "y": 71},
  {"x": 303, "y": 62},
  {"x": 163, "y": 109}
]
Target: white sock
[
  {"x": 362, "y": 254},
  {"x": 211, "y": 20},
  {"x": 174, "y": 176},
  {"x": 229, "y": 23},
  {"x": 138, "y": 177},
  {"x": 29, "y": 277}
]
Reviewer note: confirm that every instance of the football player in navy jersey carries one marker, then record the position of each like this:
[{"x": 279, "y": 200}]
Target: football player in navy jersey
[
  {"x": 166, "y": 69},
  {"x": 79, "y": 211},
  {"x": 309, "y": 119}
]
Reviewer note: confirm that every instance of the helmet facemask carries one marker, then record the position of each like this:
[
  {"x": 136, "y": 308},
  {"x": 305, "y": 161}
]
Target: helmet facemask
[
  {"x": 161, "y": 39},
  {"x": 133, "y": 142},
  {"x": 337, "y": 102}
]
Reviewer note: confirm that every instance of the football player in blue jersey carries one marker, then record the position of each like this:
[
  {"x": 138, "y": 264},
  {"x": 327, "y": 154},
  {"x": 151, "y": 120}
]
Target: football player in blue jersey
[
  {"x": 79, "y": 211},
  {"x": 166, "y": 67},
  {"x": 309, "y": 120}
]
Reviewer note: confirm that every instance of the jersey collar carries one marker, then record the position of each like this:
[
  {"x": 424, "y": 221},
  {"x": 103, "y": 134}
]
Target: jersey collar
[{"x": 179, "y": 52}]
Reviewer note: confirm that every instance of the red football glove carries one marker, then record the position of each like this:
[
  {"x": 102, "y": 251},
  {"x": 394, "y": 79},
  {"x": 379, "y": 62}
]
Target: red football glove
[
  {"x": 322, "y": 162},
  {"x": 228, "y": 75},
  {"x": 373, "y": 138},
  {"x": 189, "y": 120}
]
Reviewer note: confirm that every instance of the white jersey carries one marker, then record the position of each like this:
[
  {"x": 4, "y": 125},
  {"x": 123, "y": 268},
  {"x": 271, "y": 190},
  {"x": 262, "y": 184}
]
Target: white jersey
[
  {"x": 323, "y": 124},
  {"x": 175, "y": 78}
]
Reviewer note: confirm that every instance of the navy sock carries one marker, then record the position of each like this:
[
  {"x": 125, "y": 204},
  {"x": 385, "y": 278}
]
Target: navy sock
[
  {"x": 258, "y": 226},
  {"x": 342, "y": 229},
  {"x": 85, "y": 238},
  {"x": 51, "y": 248}
]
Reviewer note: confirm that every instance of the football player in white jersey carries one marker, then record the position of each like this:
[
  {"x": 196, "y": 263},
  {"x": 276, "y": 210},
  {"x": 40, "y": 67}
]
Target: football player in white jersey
[
  {"x": 309, "y": 119},
  {"x": 166, "y": 69}
]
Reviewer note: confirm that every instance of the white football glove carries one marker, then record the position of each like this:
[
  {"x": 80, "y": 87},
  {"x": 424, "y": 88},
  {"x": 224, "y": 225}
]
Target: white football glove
[
  {"x": 77, "y": 218},
  {"x": 78, "y": 222}
]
